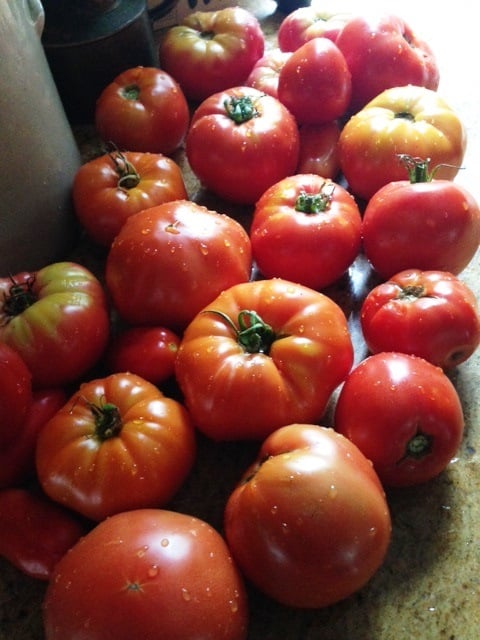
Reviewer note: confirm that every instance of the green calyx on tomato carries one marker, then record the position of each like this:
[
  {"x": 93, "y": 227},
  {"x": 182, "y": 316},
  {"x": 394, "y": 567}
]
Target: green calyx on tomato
[
  {"x": 20, "y": 297},
  {"x": 411, "y": 292},
  {"x": 316, "y": 202},
  {"x": 128, "y": 176},
  {"x": 418, "y": 446},
  {"x": 241, "y": 109},
  {"x": 108, "y": 422},
  {"x": 253, "y": 334},
  {"x": 130, "y": 92}
]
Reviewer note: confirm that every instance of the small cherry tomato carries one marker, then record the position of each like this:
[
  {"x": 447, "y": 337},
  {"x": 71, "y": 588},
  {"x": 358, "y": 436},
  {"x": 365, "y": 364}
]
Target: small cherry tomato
[
  {"x": 430, "y": 314},
  {"x": 149, "y": 352},
  {"x": 404, "y": 414}
]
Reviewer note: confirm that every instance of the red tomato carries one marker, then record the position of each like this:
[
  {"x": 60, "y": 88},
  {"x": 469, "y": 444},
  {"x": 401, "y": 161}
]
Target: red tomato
[
  {"x": 383, "y": 51},
  {"x": 308, "y": 523},
  {"x": 319, "y": 149},
  {"x": 17, "y": 459},
  {"x": 266, "y": 71},
  {"x": 306, "y": 23},
  {"x": 404, "y": 414},
  {"x": 117, "y": 444},
  {"x": 149, "y": 352},
  {"x": 314, "y": 83},
  {"x": 143, "y": 109},
  {"x": 431, "y": 225},
  {"x": 309, "y": 216},
  {"x": 210, "y": 51},
  {"x": 109, "y": 189},
  {"x": 57, "y": 319},
  {"x": 430, "y": 314},
  {"x": 402, "y": 120},
  {"x": 15, "y": 393},
  {"x": 156, "y": 573},
  {"x": 253, "y": 141},
  {"x": 169, "y": 261},
  {"x": 261, "y": 355}
]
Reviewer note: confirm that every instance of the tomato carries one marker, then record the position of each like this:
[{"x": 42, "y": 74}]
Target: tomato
[
  {"x": 403, "y": 120},
  {"x": 404, "y": 414},
  {"x": 17, "y": 459},
  {"x": 109, "y": 189},
  {"x": 117, "y": 444},
  {"x": 169, "y": 261},
  {"x": 382, "y": 51},
  {"x": 262, "y": 354},
  {"x": 15, "y": 393},
  {"x": 430, "y": 314},
  {"x": 210, "y": 51},
  {"x": 143, "y": 109},
  {"x": 314, "y": 83},
  {"x": 149, "y": 352},
  {"x": 308, "y": 523},
  {"x": 318, "y": 149},
  {"x": 309, "y": 216},
  {"x": 253, "y": 142},
  {"x": 57, "y": 318},
  {"x": 306, "y": 23},
  {"x": 35, "y": 532},
  {"x": 425, "y": 223},
  {"x": 265, "y": 73},
  {"x": 157, "y": 574}
]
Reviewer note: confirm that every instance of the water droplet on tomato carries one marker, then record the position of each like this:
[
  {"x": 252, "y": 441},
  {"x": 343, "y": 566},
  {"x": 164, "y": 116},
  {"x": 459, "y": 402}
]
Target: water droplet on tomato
[{"x": 186, "y": 595}]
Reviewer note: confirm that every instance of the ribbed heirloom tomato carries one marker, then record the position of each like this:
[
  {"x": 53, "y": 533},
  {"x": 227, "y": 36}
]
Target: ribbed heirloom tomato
[
  {"x": 118, "y": 443},
  {"x": 109, "y": 189},
  {"x": 261, "y": 355},
  {"x": 308, "y": 522}
]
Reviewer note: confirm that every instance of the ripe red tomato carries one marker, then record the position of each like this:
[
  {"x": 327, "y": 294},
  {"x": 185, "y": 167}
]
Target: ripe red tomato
[
  {"x": 15, "y": 393},
  {"x": 169, "y": 261},
  {"x": 143, "y": 109},
  {"x": 157, "y": 574},
  {"x": 262, "y": 354},
  {"x": 431, "y": 225},
  {"x": 319, "y": 150},
  {"x": 266, "y": 71},
  {"x": 314, "y": 83},
  {"x": 57, "y": 319},
  {"x": 308, "y": 523},
  {"x": 309, "y": 216},
  {"x": 149, "y": 352},
  {"x": 253, "y": 141},
  {"x": 117, "y": 444},
  {"x": 109, "y": 189},
  {"x": 210, "y": 51},
  {"x": 404, "y": 414},
  {"x": 305, "y": 23},
  {"x": 403, "y": 120},
  {"x": 383, "y": 51},
  {"x": 430, "y": 314}
]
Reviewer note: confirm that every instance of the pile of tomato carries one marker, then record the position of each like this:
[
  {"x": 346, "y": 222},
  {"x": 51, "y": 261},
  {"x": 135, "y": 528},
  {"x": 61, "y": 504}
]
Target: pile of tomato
[{"x": 199, "y": 328}]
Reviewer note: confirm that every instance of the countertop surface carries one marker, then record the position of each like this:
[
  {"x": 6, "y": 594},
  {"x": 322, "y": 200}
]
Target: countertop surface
[{"x": 429, "y": 585}]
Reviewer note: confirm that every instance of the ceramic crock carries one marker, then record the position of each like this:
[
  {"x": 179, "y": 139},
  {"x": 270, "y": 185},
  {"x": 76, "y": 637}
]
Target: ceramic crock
[{"x": 38, "y": 153}]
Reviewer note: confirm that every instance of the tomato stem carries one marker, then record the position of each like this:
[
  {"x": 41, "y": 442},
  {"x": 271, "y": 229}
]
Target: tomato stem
[
  {"x": 316, "y": 202},
  {"x": 20, "y": 296},
  {"x": 412, "y": 292},
  {"x": 128, "y": 176},
  {"x": 108, "y": 422},
  {"x": 131, "y": 92},
  {"x": 241, "y": 109},
  {"x": 253, "y": 334}
]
